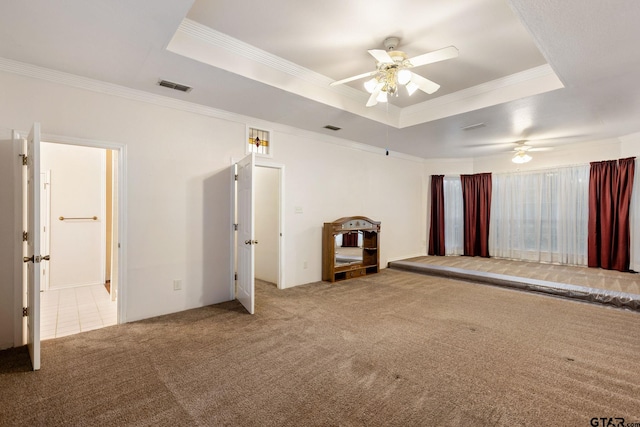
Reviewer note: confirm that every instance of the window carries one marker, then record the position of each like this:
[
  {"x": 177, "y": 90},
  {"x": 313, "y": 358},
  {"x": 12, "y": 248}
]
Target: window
[
  {"x": 541, "y": 216},
  {"x": 258, "y": 141},
  {"x": 454, "y": 216}
]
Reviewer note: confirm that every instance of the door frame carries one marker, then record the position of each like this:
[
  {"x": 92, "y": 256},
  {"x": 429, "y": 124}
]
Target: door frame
[
  {"x": 120, "y": 152},
  {"x": 45, "y": 221},
  {"x": 260, "y": 162}
]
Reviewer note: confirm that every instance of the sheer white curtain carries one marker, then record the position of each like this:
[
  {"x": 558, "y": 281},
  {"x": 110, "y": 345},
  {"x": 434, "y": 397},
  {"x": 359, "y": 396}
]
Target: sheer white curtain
[
  {"x": 634, "y": 220},
  {"x": 541, "y": 216},
  {"x": 454, "y": 216}
]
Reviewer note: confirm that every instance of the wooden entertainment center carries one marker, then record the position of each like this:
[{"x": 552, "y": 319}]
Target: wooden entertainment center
[{"x": 350, "y": 248}]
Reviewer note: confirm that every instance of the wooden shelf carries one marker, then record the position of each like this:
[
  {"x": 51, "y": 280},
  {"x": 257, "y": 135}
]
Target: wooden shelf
[{"x": 355, "y": 263}]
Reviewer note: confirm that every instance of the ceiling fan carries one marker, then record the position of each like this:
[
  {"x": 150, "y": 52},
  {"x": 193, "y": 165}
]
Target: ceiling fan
[
  {"x": 393, "y": 70},
  {"x": 521, "y": 149}
]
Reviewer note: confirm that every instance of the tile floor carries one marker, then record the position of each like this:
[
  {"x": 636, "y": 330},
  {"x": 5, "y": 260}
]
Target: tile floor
[{"x": 72, "y": 310}]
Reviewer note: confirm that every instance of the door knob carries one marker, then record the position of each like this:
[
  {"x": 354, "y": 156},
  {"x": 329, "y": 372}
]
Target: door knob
[
  {"x": 250, "y": 242},
  {"x": 46, "y": 258},
  {"x": 27, "y": 259}
]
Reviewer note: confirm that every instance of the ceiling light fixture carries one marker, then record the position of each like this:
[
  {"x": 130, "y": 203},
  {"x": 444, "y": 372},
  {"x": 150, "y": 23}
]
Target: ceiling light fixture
[
  {"x": 393, "y": 70},
  {"x": 391, "y": 75},
  {"x": 521, "y": 157}
]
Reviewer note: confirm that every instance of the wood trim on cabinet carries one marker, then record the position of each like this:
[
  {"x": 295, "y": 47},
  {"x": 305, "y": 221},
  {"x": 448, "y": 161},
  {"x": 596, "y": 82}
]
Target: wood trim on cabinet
[{"x": 333, "y": 271}]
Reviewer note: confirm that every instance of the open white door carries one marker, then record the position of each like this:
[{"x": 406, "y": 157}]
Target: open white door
[
  {"x": 33, "y": 256},
  {"x": 115, "y": 241},
  {"x": 246, "y": 239}
]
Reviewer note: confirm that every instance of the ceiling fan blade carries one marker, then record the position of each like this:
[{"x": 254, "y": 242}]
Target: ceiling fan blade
[
  {"x": 350, "y": 79},
  {"x": 373, "y": 99},
  {"x": 522, "y": 148},
  {"x": 435, "y": 56},
  {"x": 540, "y": 148},
  {"x": 381, "y": 56},
  {"x": 423, "y": 84}
]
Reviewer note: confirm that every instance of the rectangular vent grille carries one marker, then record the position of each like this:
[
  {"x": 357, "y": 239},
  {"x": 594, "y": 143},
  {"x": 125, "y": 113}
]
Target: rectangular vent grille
[
  {"x": 176, "y": 86},
  {"x": 330, "y": 127},
  {"x": 474, "y": 126}
]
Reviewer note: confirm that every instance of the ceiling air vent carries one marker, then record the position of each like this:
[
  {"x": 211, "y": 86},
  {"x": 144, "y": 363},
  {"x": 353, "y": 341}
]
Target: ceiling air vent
[
  {"x": 474, "y": 126},
  {"x": 331, "y": 127},
  {"x": 176, "y": 86}
]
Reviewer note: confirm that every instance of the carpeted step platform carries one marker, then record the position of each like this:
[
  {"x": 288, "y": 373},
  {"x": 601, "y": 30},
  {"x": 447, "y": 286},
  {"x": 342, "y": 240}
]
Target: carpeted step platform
[{"x": 584, "y": 293}]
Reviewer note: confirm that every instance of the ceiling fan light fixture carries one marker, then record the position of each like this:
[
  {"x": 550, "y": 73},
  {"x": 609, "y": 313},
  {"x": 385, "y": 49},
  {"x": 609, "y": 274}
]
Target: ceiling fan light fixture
[
  {"x": 521, "y": 157},
  {"x": 404, "y": 76},
  {"x": 393, "y": 70},
  {"x": 370, "y": 85}
]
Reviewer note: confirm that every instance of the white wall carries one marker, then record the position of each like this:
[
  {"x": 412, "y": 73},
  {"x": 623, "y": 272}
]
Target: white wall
[
  {"x": 178, "y": 189},
  {"x": 630, "y": 146},
  {"x": 177, "y": 193},
  {"x": 449, "y": 166},
  {"x": 266, "y": 223},
  {"x": 329, "y": 181},
  {"x": 77, "y": 190}
]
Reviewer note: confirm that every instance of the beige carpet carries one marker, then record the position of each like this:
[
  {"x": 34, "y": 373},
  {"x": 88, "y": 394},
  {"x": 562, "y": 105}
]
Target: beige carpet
[
  {"x": 590, "y": 277},
  {"x": 395, "y": 348}
]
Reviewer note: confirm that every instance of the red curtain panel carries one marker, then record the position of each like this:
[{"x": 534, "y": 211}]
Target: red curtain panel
[
  {"x": 350, "y": 239},
  {"x": 476, "y": 197},
  {"x": 610, "y": 187},
  {"x": 436, "y": 231}
]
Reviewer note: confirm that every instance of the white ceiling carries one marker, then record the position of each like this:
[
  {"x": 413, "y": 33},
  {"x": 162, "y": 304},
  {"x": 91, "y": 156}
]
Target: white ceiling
[{"x": 552, "y": 72}]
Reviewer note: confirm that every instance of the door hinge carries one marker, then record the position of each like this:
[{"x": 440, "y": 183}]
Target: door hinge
[
  {"x": 235, "y": 177},
  {"x": 235, "y": 276},
  {"x": 235, "y": 227},
  {"x": 24, "y": 159},
  {"x": 25, "y": 236},
  {"x": 25, "y": 311}
]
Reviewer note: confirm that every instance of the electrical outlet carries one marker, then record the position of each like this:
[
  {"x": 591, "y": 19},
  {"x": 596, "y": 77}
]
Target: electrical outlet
[{"x": 177, "y": 285}]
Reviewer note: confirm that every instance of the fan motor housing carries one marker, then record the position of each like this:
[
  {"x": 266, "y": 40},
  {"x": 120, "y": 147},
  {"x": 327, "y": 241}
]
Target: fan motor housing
[{"x": 391, "y": 43}]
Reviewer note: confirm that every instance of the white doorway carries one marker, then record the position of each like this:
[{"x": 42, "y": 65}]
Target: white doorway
[
  {"x": 83, "y": 274},
  {"x": 267, "y": 224},
  {"x": 266, "y": 211}
]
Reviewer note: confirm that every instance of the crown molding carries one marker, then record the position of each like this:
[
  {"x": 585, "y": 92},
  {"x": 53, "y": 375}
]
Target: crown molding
[
  {"x": 238, "y": 47},
  {"x": 204, "y": 44},
  {"x": 72, "y": 80},
  {"x": 493, "y": 85},
  {"x": 515, "y": 86},
  {"x": 60, "y": 77},
  {"x": 526, "y": 83}
]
